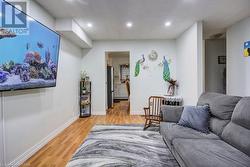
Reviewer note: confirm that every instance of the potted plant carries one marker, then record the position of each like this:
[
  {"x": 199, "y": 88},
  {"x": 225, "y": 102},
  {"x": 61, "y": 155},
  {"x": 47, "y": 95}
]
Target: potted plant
[{"x": 172, "y": 87}]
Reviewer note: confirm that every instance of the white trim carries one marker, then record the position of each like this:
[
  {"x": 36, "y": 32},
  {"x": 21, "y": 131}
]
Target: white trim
[
  {"x": 31, "y": 151},
  {"x": 3, "y": 157}
]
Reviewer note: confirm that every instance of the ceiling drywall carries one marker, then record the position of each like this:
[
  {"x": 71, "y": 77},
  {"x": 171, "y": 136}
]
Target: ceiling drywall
[{"x": 109, "y": 17}]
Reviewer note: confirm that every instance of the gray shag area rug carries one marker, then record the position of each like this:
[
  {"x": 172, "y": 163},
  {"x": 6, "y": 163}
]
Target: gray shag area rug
[{"x": 123, "y": 146}]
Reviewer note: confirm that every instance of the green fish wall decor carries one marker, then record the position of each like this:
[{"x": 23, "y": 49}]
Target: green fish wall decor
[
  {"x": 166, "y": 70},
  {"x": 138, "y": 65}
]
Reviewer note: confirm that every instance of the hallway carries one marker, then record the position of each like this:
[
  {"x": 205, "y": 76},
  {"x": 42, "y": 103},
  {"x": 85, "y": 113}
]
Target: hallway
[{"x": 120, "y": 109}]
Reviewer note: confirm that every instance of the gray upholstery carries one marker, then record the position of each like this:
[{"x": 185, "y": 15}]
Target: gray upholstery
[
  {"x": 195, "y": 117},
  {"x": 238, "y": 137},
  {"x": 241, "y": 114},
  {"x": 237, "y": 132},
  {"x": 209, "y": 153},
  {"x": 221, "y": 108},
  {"x": 171, "y": 113},
  {"x": 171, "y": 131},
  {"x": 227, "y": 146},
  {"x": 217, "y": 125}
]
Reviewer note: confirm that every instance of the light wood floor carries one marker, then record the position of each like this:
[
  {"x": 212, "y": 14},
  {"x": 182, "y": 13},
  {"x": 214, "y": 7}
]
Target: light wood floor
[{"x": 60, "y": 150}]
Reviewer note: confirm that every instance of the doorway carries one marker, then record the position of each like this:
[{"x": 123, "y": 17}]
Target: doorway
[
  {"x": 215, "y": 57},
  {"x": 118, "y": 82}
]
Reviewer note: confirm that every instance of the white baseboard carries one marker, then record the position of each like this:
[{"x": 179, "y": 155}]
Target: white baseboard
[{"x": 31, "y": 151}]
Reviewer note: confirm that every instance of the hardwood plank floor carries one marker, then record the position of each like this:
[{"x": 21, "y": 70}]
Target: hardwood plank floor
[{"x": 60, "y": 150}]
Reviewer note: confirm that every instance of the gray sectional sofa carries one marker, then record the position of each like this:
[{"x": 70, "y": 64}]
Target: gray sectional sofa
[{"x": 227, "y": 144}]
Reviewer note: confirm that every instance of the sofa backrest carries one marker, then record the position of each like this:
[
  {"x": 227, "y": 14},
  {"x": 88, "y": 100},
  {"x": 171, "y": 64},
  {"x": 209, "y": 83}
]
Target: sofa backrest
[
  {"x": 221, "y": 109},
  {"x": 237, "y": 132}
]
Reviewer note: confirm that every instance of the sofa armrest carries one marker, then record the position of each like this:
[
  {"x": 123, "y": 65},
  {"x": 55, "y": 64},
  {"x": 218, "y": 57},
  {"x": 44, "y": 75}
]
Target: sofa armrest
[{"x": 171, "y": 113}]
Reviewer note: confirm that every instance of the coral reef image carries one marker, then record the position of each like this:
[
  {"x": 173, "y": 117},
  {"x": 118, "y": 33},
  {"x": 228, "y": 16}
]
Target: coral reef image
[{"x": 28, "y": 61}]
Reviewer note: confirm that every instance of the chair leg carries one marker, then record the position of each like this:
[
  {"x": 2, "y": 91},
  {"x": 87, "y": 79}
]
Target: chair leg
[
  {"x": 146, "y": 124},
  {"x": 150, "y": 123}
]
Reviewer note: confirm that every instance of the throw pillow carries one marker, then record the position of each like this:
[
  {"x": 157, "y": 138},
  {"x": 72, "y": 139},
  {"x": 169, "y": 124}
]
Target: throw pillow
[{"x": 195, "y": 117}]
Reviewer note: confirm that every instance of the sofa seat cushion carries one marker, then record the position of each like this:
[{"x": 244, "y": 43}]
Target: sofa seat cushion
[
  {"x": 171, "y": 131},
  {"x": 209, "y": 153}
]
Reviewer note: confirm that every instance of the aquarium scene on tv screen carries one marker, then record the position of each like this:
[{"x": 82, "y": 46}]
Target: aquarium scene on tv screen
[{"x": 28, "y": 60}]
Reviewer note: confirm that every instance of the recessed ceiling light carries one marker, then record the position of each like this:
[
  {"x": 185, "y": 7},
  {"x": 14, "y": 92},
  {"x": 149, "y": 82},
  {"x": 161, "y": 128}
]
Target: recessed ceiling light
[
  {"x": 168, "y": 23},
  {"x": 89, "y": 25},
  {"x": 129, "y": 24}
]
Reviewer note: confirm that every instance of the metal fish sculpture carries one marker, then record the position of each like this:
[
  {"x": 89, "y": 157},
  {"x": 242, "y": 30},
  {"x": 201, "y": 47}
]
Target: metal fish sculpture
[
  {"x": 6, "y": 34},
  {"x": 138, "y": 65},
  {"x": 40, "y": 45},
  {"x": 166, "y": 71}
]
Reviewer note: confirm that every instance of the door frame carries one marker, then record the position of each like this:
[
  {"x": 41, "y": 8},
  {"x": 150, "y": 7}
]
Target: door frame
[
  {"x": 106, "y": 64},
  {"x": 110, "y": 86}
]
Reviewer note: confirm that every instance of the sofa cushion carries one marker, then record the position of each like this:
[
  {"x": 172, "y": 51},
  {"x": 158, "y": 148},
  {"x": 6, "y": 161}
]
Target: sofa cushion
[
  {"x": 195, "y": 117},
  {"x": 221, "y": 109},
  {"x": 217, "y": 125},
  {"x": 237, "y": 136},
  {"x": 209, "y": 153},
  {"x": 221, "y": 106},
  {"x": 241, "y": 114},
  {"x": 171, "y": 131},
  {"x": 237, "y": 132},
  {"x": 171, "y": 113}
]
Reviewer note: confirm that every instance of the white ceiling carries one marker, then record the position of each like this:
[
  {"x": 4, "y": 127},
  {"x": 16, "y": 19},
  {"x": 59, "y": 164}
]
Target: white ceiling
[{"x": 148, "y": 16}]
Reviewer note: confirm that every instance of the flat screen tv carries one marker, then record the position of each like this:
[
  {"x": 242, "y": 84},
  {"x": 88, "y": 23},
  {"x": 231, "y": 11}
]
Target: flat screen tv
[{"x": 28, "y": 55}]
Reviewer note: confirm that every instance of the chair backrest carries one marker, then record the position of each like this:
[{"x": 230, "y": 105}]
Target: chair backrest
[{"x": 155, "y": 103}]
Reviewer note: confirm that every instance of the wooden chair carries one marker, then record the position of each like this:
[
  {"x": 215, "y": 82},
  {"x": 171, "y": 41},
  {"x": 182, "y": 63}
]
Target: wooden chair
[{"x": 152, "y": 112}]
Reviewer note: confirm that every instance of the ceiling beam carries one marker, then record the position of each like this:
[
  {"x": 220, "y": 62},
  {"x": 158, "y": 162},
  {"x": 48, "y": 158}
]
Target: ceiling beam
[{"x": 72, "y": 31}]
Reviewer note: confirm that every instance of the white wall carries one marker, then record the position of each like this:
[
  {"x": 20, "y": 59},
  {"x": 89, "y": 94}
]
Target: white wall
[
  {"x": 215, "y": 80},
  {"x": 238, "y": 66},
  {"x": 148, "y": 83},
  {"x": 32, "y": 117},
  {"x": 189, "y": 61}
]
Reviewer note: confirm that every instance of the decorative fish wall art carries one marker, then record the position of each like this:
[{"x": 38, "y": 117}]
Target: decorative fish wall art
[{"x": 166, "y": 70}]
